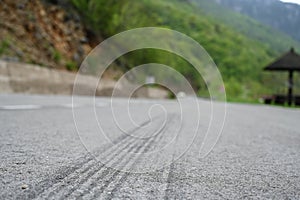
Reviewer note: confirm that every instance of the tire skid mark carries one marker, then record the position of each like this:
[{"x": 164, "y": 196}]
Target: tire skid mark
[
  {"x": 114, "y": 156},
  {"x": 58, "y": 178},
  {"x": 117, "y": 186},
  {"x": 83, "y": 167},
  {"x": 70, "y": 189},
  {"x": 104, "y": 177},
  {"x": 121, "y": 176},
  {"x": 168, "y": 190},
  {"x": 118, "y": 176},
  {"x": 119, "y": 152},
  {"x": 170, "y": 170},
  {"x": 110, "y": 173}
]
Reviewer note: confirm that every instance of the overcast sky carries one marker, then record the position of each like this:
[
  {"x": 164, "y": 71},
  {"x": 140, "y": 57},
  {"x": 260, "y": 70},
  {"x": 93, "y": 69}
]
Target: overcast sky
[{"x": 292, "y": 1}]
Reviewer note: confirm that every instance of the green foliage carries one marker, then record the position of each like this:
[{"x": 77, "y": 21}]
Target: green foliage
[
  {"x": 277, "y": 14},
  {"x": 274, "y": 39},
  {"x": 3, "y": 46},
  {"x": 240, "y": 54},
  {"x": 56, "y": 55},
  {"x": 71, "y": 66}
]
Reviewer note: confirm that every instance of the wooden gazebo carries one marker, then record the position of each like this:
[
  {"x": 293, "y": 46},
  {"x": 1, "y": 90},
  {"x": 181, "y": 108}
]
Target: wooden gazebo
[{"x": 289, "y": 62}]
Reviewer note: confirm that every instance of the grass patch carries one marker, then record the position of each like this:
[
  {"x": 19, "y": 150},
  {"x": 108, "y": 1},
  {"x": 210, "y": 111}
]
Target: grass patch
[
  {"x": 56, "y": 55},
  {"x": 71, "y": 66},
  {"x": 4, "y": 45}
]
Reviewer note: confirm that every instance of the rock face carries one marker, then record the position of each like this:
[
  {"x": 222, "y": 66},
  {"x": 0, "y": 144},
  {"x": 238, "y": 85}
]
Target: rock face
[{"x": 41, "y": 33}]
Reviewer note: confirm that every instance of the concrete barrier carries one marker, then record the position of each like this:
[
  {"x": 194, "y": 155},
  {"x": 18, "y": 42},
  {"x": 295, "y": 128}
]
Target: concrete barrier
[{"x": 32, "y": 79}]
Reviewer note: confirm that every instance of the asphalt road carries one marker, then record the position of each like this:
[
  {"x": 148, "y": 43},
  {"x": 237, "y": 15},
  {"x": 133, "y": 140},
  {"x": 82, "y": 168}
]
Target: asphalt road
[{"x": 44, "y": 156}]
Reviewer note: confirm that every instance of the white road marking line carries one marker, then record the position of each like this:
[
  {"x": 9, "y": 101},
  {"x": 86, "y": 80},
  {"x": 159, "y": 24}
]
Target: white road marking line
[
  {"x": 101, "y": 104},
  {"x": 34, "y": 107},
  {"x": 20, "y": 107},
  {"x": 70, "y": 105},
  {"x": 83, "y": 105}
]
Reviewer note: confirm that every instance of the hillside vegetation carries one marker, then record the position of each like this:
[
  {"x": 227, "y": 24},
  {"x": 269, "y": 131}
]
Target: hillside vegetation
[
  {"x": 279, "y": 15},
  {"x": 247, "y": 26},
  {"x": 239, "y": 57}
]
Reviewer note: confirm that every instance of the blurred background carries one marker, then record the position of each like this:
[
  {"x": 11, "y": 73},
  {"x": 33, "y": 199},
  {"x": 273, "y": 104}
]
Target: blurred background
[{"x": 43, "y": 42}]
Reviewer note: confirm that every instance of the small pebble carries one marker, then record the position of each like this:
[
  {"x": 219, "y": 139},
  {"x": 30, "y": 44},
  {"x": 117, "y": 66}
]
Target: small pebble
[{"x": 24, "y": 187}]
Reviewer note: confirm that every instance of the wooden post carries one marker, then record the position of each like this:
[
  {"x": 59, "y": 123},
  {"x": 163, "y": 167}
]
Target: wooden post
[{"x": 290, "y": 92}]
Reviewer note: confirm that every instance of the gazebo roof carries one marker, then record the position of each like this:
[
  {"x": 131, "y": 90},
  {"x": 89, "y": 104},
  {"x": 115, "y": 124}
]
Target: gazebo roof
[{"x": 288, "y": 61}]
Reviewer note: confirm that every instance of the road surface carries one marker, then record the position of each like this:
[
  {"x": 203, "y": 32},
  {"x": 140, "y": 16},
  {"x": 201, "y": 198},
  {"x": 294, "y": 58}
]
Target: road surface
[{"x": 44, "y": 157}]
